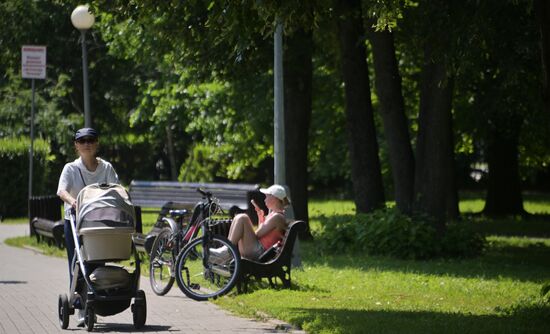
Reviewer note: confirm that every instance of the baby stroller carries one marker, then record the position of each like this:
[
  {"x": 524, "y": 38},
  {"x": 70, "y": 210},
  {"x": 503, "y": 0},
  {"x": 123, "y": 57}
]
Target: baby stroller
[{"x": 102, "y": 232}]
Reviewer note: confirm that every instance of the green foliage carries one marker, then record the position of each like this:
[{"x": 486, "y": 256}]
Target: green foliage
[
  {"x": 187, "y": 86},
  {"x": 329, "y": 163},
  {"x": 201, "y": 71},
  {"x": 14, "y": 159},
  {"x": 200, "y": 166},
  {"x": 388, "y": 232},
  {"x": 461, "y": 239},
  {"x": 388, "y": 12},
  {"x": 545, "y": 292},
  {"x": 14, "y": 147}
]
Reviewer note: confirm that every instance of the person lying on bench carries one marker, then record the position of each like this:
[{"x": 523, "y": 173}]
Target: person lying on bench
[{"x": 271, "y": 228}]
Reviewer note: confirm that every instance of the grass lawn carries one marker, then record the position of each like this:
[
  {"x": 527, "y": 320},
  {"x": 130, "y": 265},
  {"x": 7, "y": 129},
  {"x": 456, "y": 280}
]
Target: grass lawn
[
  {"x": 22, "y": 220},
  {"x": 498, "y": 292}
]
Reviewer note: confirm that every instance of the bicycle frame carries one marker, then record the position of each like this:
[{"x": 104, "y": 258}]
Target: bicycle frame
[
  {"x": 171, "y": 242},
  {"x": 199, "y": 274}
]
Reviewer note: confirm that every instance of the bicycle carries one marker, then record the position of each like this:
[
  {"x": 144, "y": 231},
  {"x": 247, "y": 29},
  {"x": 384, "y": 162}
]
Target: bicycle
[
  {"x": 201, "y": 275},
  {"x": 167, "y": 246}
]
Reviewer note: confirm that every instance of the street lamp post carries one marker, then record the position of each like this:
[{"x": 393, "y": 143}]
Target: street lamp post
[{"x": 83, "y": 20}]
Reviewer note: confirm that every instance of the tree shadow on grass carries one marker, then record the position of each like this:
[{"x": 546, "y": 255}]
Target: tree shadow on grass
[
  {"x": 262, "y": 284},
  {"x": 527, "y": 320},
  {"x": 528, "y": 225},
  {"x": 529, "y": 263}
]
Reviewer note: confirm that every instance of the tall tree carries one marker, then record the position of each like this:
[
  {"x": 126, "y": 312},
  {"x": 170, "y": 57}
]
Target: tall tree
[
  {"x": 542, "y": 11},
  {"x": 297, "y": 105},
  {"x": 505, "y": 79},
  {"x": 298, "y": 19},
  {"x": 434, "y": 152},
  {"x": 503, "y": 186},
  {"x": 363, "y": 145},
  {"x": 392, "y": 109},
  {"x": 435, "y": 192}
]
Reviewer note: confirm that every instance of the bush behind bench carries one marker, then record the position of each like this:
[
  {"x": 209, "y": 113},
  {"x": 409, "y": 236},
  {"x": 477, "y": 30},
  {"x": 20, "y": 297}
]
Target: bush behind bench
[
  {"x": 14, "y": 178},
  {"x": 387, "y": 232}
]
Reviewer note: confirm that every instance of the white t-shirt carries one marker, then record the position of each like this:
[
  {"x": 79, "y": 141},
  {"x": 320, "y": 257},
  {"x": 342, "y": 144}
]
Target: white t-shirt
[{"x": 72, "y": 181}]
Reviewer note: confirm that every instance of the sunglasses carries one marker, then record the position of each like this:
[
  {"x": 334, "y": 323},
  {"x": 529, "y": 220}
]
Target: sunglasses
[{"x": 87, "y": 140}]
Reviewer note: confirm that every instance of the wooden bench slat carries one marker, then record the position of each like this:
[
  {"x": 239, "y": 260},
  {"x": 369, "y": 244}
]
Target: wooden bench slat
[
  {"x": 193, "y": 185},
  {"x": 157, "y": 193}
]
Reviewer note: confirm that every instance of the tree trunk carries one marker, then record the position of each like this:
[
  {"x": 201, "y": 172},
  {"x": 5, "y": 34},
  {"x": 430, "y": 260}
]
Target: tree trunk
[
  {"x": 392, "y": 109},
  {"x": 453, "y": 211},
  {"x": 298, "y": 80},
  {"x": 434, "y": 158},
  {"x": 542, "y": 10},
  {"x": 363, "y": 146},
  {"x": 503, "y": 187}
]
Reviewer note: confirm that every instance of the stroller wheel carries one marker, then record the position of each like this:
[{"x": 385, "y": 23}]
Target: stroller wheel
[
  {"x": 90, "y": 318},
  {"x": 139, "y": 309},
  {"x": 63, "y": 311}
]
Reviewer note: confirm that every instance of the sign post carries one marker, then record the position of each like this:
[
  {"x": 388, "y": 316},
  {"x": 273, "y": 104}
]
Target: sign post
[{"x": 33, "y": 66}]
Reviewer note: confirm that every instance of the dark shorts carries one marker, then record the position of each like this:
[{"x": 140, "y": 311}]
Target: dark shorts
[{"x": 258, "y": 250}]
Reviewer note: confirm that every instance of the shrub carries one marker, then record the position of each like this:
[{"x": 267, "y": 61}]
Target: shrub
[
  {"x": 14, "y": 159},
  {"x": 461, "y": 240},
  {"x": 388, "y": 232},
  {"x": 545, "y": 292}
]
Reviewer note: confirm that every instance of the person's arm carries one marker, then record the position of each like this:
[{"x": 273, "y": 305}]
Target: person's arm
[
  {"x": 67, "y": 198},
  {"x": 259, "y": 212},
  {"x": 64, "y": 185},
  {"x": 273, "y": 222}
]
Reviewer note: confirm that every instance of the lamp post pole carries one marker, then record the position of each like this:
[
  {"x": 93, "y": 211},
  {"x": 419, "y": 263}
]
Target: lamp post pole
[
  {"x": 279, "y": 125},
  {"x": 83, "y": 20},
  {"x": 86, "y": 86}
]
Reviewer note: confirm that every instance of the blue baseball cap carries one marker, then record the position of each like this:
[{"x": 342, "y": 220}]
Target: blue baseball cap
[{"x": 85, "y": 132}]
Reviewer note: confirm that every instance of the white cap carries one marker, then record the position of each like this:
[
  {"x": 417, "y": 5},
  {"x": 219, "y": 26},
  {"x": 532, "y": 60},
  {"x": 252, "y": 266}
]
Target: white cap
[{"x": 275, "y": 190}]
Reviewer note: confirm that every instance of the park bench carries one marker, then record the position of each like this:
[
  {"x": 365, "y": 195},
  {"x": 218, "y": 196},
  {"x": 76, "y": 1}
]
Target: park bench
[
  {"x": 275, "y": 262},
  {"x": 163, "y": 196},
  {"x": 45, "y": 219}
]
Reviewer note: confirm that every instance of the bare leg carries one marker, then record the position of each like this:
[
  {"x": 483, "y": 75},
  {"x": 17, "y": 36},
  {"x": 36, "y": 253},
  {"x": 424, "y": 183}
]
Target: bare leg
[{"x": 242, "y": 234}]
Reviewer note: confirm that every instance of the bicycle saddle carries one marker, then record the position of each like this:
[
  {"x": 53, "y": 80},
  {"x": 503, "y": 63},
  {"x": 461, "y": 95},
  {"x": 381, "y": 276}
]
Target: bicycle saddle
[{"x": 178, "y": 213}]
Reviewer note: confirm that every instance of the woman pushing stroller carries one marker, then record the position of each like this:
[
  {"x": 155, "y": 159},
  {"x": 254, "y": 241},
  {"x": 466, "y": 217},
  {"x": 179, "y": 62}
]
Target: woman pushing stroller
[
  {"x": 76, "y": 175},
  {"x": 98, "y": 235},
  {"x": 85, "y": 170}
]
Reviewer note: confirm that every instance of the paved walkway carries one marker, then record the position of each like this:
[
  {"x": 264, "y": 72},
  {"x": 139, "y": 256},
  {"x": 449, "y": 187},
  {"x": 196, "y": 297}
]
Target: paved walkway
[{"x": 31, "y": 282}]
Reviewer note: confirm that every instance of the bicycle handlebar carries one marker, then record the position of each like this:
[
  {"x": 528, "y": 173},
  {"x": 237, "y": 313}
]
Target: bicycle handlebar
[{"x": 205, "y": 194}]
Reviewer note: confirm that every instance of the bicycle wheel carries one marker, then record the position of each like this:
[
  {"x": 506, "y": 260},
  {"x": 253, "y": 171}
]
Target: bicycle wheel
[
  {"x": 201, "y": 276},
  {"x": 161, "y": 263}
]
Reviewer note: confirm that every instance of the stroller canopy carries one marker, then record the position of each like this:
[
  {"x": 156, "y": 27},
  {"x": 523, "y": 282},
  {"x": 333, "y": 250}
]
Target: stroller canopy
[{"x": 104, "y": 205}]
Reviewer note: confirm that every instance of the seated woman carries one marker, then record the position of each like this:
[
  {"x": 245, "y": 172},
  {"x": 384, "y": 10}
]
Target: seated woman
[{"x": 271, "y": 228}]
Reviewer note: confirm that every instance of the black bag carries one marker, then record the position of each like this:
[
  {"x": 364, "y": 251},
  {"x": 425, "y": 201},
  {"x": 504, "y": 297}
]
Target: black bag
[{"x": 110, "y": 277}]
